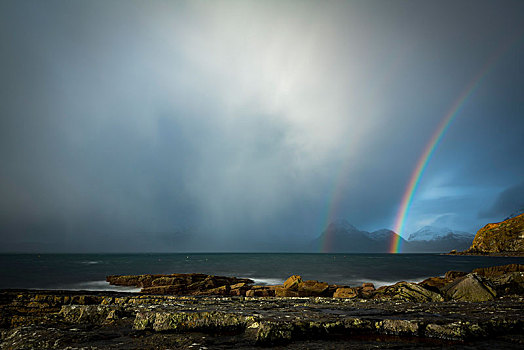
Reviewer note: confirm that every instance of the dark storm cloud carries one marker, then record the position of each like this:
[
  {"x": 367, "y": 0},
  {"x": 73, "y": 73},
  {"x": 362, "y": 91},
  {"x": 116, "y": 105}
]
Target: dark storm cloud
[
  {"x": 510, "y": 201},
  {"x": 132, "y": 126}
]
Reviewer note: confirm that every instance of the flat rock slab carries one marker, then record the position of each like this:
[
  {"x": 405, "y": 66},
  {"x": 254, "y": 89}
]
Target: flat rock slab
[{"x": 97, "y": 320}]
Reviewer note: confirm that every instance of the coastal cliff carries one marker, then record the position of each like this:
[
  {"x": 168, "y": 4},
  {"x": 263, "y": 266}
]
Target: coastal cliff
[{"x": 505, "y": 237}]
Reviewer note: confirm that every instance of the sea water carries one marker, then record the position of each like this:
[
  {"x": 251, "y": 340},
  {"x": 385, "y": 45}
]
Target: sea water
[{"x": 88, "y": 271}]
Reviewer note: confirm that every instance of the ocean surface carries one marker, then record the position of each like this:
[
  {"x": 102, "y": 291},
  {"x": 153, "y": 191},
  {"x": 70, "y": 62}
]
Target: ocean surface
[{"x": 88, "y": 271}]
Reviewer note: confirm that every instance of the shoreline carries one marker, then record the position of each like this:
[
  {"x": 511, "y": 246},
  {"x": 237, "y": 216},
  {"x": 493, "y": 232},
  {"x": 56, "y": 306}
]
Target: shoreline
[
  {"x": 502, "y": 255},
  {"x": 481, "y": 309}
]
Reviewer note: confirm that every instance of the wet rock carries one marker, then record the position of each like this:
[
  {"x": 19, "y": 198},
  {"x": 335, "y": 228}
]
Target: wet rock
[
  {"x": 369, "y": 286},
  {"x": 239, "y": 289},
  {"x": 165, "y": 281},
  {"x": 398, "y": 327},
  {"x": 134, "y": 281},
  {"x": 123, "y": 321},
  {"x": 508, "y": 284},
  {"x": 190, "y": 321},
  {"x": 180, "y": 284},
  {"x": 332, "y": 288},
  {"x": 260, "y": 291},
  {"x": 292, "y": 282},
  {"x": 408, "y": 291},
  {"x": 458, "y": 330},
  {"x": 272, "y": 333},
  {"x": 435, "y": 283},
  {"x": 451, "y": 275},
  {"x": 294, "y": 286},
  {"x": 222, "y": 290},
  {"x": 177, "y": 289},
  {"x": 359, "y": 325},
  {"x": 470, "y": 288},
  {"x": 496, "y": 271},
  {"x": 346, "y": 292},
  {"x": 285, "y": 292},
  {"x": 312, "y": 288},
  {"x": 367, "y": 290},
  {"x": 239, "y": 286},
  {"x": 89, "y": 314},
  {"x": 454, "y": 330}
]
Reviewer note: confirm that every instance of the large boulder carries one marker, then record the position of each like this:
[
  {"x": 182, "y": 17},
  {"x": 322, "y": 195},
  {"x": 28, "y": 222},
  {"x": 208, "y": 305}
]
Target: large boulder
[
  {"x": 294, "y": 286},
  {"x": 345, "y": 292},
  {"x": 285, "y": 292},
  {"x": 367, "y": 290},
  {"x": 408, "y": 291},
  {"x": 86, "y": 314},
  {"x": 292, "y": 282},
  {"x": 470, "y": 288},
  {"x": 312, "y": 288},
  {"x": 437, "y": 283},
  {"x": 434, "y": 283}
]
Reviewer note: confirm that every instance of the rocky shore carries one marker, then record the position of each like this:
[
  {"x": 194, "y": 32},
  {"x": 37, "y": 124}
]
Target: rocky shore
[
  {"x": 481, "y": 309},
  {"x": 481, "y": 284}
]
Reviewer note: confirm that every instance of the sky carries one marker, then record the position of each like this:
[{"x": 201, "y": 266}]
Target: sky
[{"x": 250, "y": 125}]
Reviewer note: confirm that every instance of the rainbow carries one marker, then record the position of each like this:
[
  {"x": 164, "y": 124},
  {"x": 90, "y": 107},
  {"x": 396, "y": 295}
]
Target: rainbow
[
  {"x": 414, "y": 181},
  {"x": 407, "y": 198},
  {"x": 452, "y": 113},
  {"x": 336, "y": 198}
]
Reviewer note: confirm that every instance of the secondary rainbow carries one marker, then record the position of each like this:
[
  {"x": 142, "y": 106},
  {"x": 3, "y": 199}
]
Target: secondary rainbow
[
  {"x": 336, "y": 195},
  {"x": 452, "y": 113},
  {"x": 334, "y": 200}
]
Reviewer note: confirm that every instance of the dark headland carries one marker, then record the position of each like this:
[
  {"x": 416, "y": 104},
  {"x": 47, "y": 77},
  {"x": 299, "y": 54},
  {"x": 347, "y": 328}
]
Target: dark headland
[
  {"x": 505, "y": 238},
  {"x": 478, "y": 309}
]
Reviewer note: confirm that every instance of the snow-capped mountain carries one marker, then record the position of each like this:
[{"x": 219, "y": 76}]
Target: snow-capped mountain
[
  {"x": 343, "y": 225},
  {"x": 341, "y": 236},
  {"x": 383, "y": 234},
  {"x": 429, "y": 233},
  {"x": 431, "y": 239}
]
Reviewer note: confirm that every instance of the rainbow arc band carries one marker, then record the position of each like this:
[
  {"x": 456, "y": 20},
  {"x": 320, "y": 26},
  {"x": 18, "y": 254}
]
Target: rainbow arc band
[
  {"x": 411, "y": 189},
  {"x": 453, "y": 112}
]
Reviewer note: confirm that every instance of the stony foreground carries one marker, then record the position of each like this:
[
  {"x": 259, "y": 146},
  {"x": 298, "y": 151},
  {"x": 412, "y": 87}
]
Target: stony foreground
[
  {"x": 94, "y": 320},
  {"x": 482, "y": 309}
]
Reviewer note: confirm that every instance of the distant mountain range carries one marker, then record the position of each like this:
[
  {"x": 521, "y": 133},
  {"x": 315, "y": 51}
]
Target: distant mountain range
[
  {"x": 342, "y": 237},
  {"x": 428, "y": 233}
]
